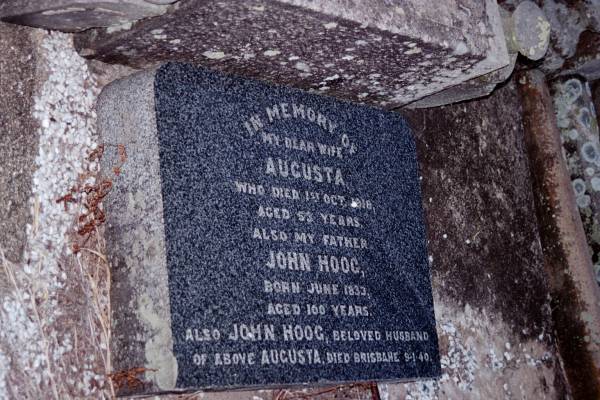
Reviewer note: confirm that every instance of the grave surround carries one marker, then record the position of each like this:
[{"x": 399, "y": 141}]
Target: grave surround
[
  {"x": 268, "y": 236},
  {"x": 370, "y": 52}
]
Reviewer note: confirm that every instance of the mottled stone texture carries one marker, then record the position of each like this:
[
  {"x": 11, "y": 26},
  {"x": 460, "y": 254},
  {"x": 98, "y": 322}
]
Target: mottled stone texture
[
  {"x": 378, "y": 52},
  {"x": 18, "y": 137},
  {"x": 479, "y": 208},
  {"x": 567, "y": 22},
  {"x": 574, "y": 30},
  {"x": 486, "y": 255},
  {"x": 78, "y": 15}
]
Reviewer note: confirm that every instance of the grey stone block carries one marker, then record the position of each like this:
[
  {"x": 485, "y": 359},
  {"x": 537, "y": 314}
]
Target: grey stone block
[
  {"x": 371, "y": 52},
  {"x": 135, "y": 233},
  {"x": 18, "y": 138},
  {"x": 78, "y": 15}
]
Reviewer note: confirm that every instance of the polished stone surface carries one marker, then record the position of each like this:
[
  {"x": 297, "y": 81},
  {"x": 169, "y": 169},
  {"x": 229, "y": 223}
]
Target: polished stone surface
[{"x": 255, "y": 214}]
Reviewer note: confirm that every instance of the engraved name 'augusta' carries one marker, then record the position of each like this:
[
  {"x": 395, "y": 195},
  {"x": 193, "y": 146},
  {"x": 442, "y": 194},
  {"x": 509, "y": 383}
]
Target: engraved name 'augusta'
[
  {"x": 283, "y": 111},
  {"x": 299, "y": 170}
]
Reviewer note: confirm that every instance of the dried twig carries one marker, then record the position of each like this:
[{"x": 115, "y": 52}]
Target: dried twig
[{"x": 129, "y": 378}]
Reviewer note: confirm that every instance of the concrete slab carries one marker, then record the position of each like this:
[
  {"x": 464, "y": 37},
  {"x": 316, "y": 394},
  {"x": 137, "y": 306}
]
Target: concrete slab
[
  {"x": 365, "y": 51},
  {"x": 489, "y": 283},
  {"x": 19, "y": 138}
]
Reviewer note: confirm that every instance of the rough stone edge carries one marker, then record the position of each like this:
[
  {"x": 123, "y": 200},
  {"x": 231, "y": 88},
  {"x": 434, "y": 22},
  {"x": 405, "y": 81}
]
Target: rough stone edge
[
  {"x": 481, "y": 74},
  {"x": 96, "y": 44},
  {"x": 70, "y": 15},
  {"x": 16, "y": 255},
  {"x": 497, "y": 58},
  {"x": 408, "y": 18},
  {"x": 135, "y": 236}
]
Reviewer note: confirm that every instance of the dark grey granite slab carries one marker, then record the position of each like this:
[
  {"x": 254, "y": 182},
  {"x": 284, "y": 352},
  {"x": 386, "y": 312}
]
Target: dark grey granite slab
[{"x": 262, "y": 236}]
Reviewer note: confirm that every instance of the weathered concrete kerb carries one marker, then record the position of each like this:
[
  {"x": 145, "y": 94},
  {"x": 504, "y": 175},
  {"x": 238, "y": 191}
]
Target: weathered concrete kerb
[
  {"x": 575, "y": 293},
  {"x": 490, "y": 288},
  {"x": 18, "y": 140}
]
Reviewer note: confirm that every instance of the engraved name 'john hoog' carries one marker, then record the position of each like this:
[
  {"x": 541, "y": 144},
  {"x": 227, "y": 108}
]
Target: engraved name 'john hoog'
[
  {"x": 258, "y": 333},
  {"x": 300, "y": 261}
]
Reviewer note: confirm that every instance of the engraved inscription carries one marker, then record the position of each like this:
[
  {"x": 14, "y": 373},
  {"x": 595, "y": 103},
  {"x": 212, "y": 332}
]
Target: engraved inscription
[{"x": 315, "y": 244}]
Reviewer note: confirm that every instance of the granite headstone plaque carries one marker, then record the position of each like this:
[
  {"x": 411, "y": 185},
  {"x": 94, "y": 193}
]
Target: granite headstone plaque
[{"x": 261, "y": 236}]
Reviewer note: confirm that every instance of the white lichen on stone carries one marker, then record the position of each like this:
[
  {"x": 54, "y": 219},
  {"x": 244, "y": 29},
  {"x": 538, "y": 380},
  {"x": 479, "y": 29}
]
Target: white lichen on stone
[
  {"x": 590, "y": 153},
  {"x": 272, "y": 53},
  {"x": 543, "y": 28},
  {"x": 213, "y": 55},
  {"x": 302, "y": 66},
  {"x": 595, "y": 181},
  {"x": 415, "y": 50},
  {"x": 579, "y": 135},
  {"x": 573, "y": 134},
  {"x": 583, "y": 201},
  {"x": 589, "y": 171},
  {"x": 477, "y": 363},
  {"x": 460, "y": 49},
  {"x": 248, "y": 55},
  {"x": 578, "y": 187},
  {"x": 584, "y": 117}
]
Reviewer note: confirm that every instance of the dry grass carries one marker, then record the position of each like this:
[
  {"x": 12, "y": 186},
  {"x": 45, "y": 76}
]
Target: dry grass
[
  {"x": 70, "y": 323},
  {"x": 357, "y": 391},
  {"x": 94, "y": 274}
]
